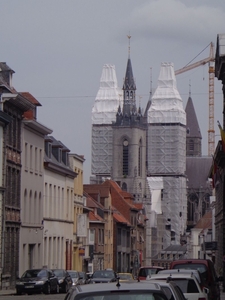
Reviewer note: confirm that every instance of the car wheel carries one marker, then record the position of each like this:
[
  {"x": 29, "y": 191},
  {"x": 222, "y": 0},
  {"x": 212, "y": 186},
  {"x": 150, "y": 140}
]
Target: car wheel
[
  {"x": 47, "y": 290},
  {"x": 65, "y": 290},
  {"x": 18, "y": 292},
  {"x": 57, "y": 289}
]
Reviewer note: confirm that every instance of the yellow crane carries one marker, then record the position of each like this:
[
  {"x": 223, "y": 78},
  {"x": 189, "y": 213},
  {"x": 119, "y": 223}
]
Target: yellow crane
[{"x": 210, "y": 60}]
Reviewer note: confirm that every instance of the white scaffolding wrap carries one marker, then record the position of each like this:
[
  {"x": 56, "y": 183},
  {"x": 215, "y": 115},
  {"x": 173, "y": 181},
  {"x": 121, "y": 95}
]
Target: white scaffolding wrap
[
  {"x": 156, "y": 186},
  {"x": 166, "y": 106},
  {"x": 167, "y": 154},
  {"x": 102, "y": 142},
  {"x": 166, "y": 149},
  {"x": 108, "y": 98}
]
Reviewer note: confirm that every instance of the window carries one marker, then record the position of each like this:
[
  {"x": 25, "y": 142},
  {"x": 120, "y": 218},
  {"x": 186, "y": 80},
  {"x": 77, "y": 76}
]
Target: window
[
  {"x": 191, "y": 145},
  {"x": 91, "y": 236},
  {"x": 140, "y": 159},
  {"x": 125, "y": 158}
]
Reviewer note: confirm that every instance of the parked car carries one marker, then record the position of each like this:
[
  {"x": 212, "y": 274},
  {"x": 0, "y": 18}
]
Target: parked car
[
  {"x": 188, "y": 284},
  {"x": 103, "y": 276},
  {"x": 196, "y": 273},
  {"x": 125, "y": 277},
  {"x": 170, "y": 288},
  {"x": 206, "y": 268},
  {"x": 75, "y": 277},
  {"x": 121, "y": 291},
  {"x": 37, "y": 281},
  {"x": 144, "y": 271},
  {"x": 64, "y": 279}
]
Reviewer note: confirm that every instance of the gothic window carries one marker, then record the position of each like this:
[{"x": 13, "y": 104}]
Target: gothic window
[
  {"x": 131, "y": 95},
  {"x": 127, "y": 95},
  {"x": 124, "y": 186},
  {"x": 125, "y": 158}
]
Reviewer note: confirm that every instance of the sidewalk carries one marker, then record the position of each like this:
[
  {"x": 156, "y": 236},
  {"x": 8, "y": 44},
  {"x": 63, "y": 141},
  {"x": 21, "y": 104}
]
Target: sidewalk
[{"x": 12, "y": 292}]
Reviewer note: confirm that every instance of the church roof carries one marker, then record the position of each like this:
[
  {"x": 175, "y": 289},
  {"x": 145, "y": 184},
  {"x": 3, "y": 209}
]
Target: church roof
[
  {"x": 193, "y": 129},
  {"x": 197, "y": 171}
]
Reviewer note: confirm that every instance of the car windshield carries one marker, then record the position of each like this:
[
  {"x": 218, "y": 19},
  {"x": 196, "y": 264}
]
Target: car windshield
[
  {"x": 103, "y": 274},
  {"x": 147, "y": 271},
  {"x": 125, "y": 276},
  {"x": 200, "y": 267},
  {"x": 186, "y": 285},
  {"x": 73, "y": 274},
  {"x": 82, "y": 275},
  {"x": 59, "y": 273},
  {"x": 34, "y": 273}
]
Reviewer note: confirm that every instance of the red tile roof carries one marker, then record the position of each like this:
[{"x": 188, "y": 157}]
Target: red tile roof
[
  {"x": 30, "y": 98},
  {"x": 93, "y": 217},
  {"x": 120, "y": 219},
  {"x": 205, "y": 222}
]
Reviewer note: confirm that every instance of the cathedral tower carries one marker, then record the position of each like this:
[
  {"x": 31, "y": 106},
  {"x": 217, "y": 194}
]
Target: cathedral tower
[
  {"x": 166, "y": 137},
  {"x": 129, "y": 140}
]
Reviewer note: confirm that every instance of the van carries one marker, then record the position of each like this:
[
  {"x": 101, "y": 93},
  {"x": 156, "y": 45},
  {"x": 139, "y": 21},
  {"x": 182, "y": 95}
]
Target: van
[
  {"x": 206, "y": 268},
  {"x": 145, "y": 271}
]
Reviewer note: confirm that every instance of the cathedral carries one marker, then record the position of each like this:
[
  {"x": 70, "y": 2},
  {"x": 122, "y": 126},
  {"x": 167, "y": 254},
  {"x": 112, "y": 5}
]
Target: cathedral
[{"x": 151, "y": 153}]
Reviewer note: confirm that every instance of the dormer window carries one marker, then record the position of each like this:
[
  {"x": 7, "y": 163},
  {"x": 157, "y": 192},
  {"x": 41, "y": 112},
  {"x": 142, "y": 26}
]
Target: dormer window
[{"x": 65, "y": 157}]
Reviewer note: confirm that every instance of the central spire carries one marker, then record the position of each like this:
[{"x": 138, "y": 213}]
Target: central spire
[{"x": 129, "y": 86}]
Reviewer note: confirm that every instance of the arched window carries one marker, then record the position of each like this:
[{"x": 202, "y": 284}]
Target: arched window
[
  {"x": 124, "y": 186},
  {"x": 125, "y": 157}
]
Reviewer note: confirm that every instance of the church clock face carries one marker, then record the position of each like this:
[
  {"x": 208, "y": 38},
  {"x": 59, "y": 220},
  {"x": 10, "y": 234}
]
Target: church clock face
[{"x": 125, "y": 143}]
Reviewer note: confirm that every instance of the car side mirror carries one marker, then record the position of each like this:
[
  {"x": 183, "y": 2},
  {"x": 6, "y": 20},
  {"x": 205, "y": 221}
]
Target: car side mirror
[{"x": 206, "y": 290}]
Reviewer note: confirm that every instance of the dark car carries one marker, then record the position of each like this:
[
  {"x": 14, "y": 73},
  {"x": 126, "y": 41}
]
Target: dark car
[
  {"x": 145, "y": 271},
  {"x": 103, "y": 276},
  {"x": 37, "y": 281},
  {"x": 207, "y": 270},
  {"x": 64, "y": 279},
  {"x": 117, "y": 291}
]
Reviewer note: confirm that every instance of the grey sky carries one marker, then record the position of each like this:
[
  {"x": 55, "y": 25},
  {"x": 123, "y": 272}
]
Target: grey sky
[{"x": 58, "y": 48}]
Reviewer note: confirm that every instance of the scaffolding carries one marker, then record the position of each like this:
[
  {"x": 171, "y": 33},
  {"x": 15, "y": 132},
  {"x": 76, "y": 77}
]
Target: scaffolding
[{"x": 166, "y": 137}]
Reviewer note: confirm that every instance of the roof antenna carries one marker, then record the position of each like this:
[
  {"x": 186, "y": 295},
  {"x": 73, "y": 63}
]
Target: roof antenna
[
  {"x": 189, "y": 88},
  {"x": 150, "y": 94},
  {"x": 129, "y": 37}
]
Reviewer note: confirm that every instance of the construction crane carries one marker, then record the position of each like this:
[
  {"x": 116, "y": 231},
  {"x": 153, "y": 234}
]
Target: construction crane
[{"x": 210, "y": 60}]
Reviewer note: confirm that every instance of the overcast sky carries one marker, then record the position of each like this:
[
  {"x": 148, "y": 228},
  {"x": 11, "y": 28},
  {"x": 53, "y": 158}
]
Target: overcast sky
[{"x": 57, "y": 49}]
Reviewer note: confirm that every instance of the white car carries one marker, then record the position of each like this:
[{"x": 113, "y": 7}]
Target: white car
[
  {"x": 170, "y": 289},
  {"x": 188, "y": 284}
]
